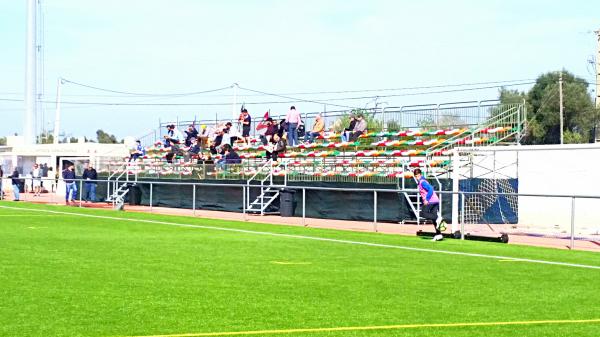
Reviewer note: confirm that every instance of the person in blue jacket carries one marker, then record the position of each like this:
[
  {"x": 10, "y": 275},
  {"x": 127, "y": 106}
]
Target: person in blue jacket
[{"x": 431, "y": 205}]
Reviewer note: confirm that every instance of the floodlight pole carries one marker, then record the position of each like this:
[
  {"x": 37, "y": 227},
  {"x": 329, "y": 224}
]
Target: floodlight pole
[{"x": 29, "y": 129}]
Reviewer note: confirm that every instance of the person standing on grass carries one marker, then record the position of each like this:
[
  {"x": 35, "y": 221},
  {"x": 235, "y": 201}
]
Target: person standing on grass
[
  {"x": 16, "y": 182},
  {"x": 1, "y": 191},
  {"x": 431, "y": 205},
  {"x": 70, "y": 184},
  {"x": 36, "y": 180},
  {"x": 90, "y": 176}
]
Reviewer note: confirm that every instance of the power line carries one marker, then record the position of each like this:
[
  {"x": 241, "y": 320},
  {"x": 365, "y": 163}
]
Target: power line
[
  {"x": 297, "y": 99},
  {"x": 408, "y": 88},
  {"x": 146, "y": 94},
  {"x": 126, "y": 93},
  {"x": 290, "y": 99}
]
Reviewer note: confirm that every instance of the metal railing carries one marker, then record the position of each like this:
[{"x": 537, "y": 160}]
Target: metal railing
[
  {"x": 467, "y": 114},
  {"x": 571, "y": 208}
]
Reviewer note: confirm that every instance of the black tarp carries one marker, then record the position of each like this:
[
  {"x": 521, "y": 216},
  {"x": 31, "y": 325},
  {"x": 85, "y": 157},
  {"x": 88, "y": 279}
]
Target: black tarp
[{"x": 341, "y": 205}]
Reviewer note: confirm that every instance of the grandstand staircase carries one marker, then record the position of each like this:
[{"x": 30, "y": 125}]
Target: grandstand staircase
[
  {"x": 121, "y": 184},
  {"x": 269, "y": 191}
]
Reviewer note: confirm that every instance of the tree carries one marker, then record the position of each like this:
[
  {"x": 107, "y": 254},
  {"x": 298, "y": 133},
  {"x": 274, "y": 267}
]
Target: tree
[
  {"x": 445, "y": 121},
  {"x": 105, "y": 138},
  {"x": 580, "y": 116},
  {"x": 373, "y": 125},
  {"x": 2, "y": 141},
  {"x": 46, "y": 138}
]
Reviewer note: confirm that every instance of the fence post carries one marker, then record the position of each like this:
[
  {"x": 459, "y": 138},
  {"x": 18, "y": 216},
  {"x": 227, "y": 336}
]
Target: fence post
[
  {"x": 304, "y": 207},
  {"x": 80, "y": 191},
  {"x": 150, "y": 197},
  {"x": 572, "y": 223},
  {"x": 194, "y": 199},
  {"x": 462, "y": 216},
  {"x": 375, "y": 211},
  {"x": 244, "y": 202}
]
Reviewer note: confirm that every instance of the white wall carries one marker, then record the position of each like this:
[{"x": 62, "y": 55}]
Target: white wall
[
  {"x": 549, "y": 169},
  {"x": 567, "y": 169}
]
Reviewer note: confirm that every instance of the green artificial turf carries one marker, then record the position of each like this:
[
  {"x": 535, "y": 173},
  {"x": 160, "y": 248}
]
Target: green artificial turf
[{"x": 68, "y": 275}]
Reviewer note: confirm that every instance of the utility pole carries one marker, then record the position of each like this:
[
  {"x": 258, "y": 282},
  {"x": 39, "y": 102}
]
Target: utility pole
[
  {"x": 598, "y": 69},
  {"x": 57, "y": 114},
  {"x": 234, "y": 114},
  {"x": 561, "y": 108}
]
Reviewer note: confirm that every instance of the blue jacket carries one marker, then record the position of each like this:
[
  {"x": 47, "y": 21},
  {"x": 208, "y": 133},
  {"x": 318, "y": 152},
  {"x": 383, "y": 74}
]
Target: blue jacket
[{"x": 68, "y": 176}]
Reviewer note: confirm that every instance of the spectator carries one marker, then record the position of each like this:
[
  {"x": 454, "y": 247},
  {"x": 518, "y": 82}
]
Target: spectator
[
  {"x": 217, "y": 141},
  {"x": 173, "y": 136},
  {"x": 44, "y": 168},
  {"x": 70, "y": 184},
  {"x": 1, "y": 191},
  {"x": 194, "y": 150},
  {"x": 317, "y": 130},
  {"x": 190, "y": 133},
  {"x": 246, "y": 121},
  {"x": 278, "y": 145},
  {"x": 174, "y": 150},
  {"x": 359, "y": 128},
  {"x": 347, "y": 131},
  {"x": 36, "y": 180},
  {"x": 293, "y": 119},
  {"x": 138, "y": 151},
  {"x": 166, "y": 142},
  {"x": 231, "y": 134},
  {"x": 16, "y": 184},
  {"x": 272, "y": 130},
  {"x": 203, "y": 137},
  {"x": 230, "y": 157},
  {"x": 90, "y": 176},
  {"x": 283, "y": 129}
]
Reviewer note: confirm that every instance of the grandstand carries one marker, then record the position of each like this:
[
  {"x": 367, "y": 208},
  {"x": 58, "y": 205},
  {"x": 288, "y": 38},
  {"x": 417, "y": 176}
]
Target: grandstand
[{"x": 398, "y": 140}]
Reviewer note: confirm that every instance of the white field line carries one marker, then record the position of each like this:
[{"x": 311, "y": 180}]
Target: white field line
[{"x": 315, "y": 238}]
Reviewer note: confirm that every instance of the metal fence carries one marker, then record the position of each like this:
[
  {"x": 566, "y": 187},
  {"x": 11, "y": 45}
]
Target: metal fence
[
  {"x": 566, "y": 228},
  {"x": 458, "y": 114}
]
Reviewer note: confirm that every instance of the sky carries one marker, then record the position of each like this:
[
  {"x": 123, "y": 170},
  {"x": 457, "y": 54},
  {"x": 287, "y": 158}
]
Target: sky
[{"x": 282, "y": 47}]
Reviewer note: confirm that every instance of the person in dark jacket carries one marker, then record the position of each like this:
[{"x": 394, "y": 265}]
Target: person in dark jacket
[
  {"x": 272, "y": 129},
  {"x": 16, "y": 184},
  {"x": 190, "y": 134},
  {"x": 70, "y": 185},
  {"x": 277, "y": 146},
  {"x": 230, "y": 157},
  {"x": 283, "y": 128},
  {"x": 349, "y": 129},
  {"x": 90, "y": 176},
  {"x": 1, "y": 191}
]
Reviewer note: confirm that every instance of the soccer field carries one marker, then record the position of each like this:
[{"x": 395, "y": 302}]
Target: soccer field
[{"x": 78, "y": 272}]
